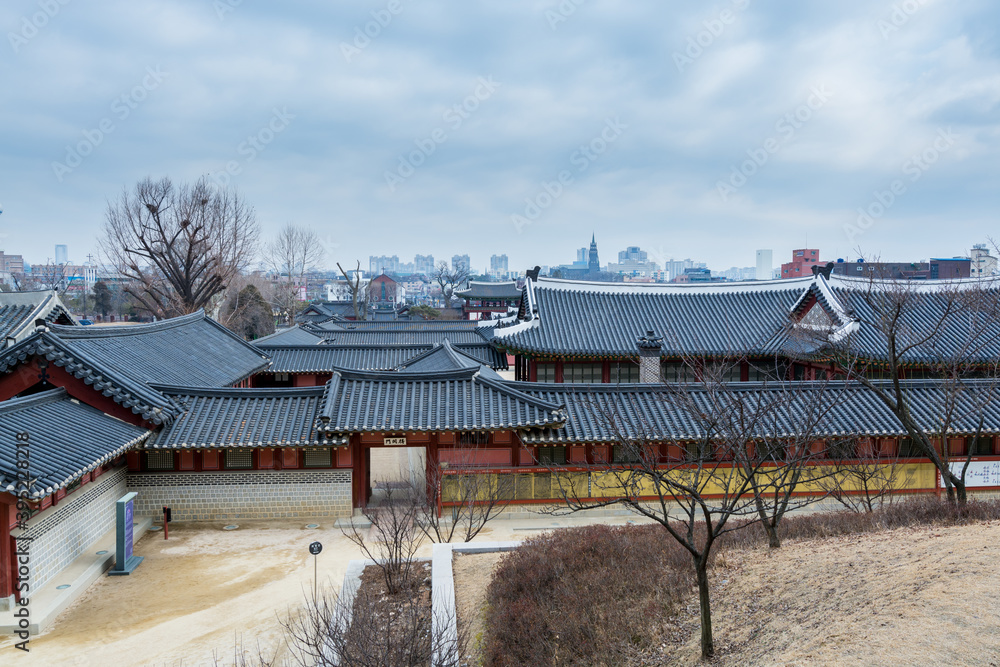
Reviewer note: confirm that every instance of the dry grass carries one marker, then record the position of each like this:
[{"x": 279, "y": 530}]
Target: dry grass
[
  {"x": 915, "y": 584},
  {"x": 911, "y": 596}
]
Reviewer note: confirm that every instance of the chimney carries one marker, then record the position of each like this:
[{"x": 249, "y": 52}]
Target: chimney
[{"x": 650, "y": 347}]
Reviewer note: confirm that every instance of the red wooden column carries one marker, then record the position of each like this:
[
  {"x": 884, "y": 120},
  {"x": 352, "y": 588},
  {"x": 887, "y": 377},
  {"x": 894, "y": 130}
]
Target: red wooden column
[
  {"x": 431, "y": 465},
  {"x": 359, "y": 472}
]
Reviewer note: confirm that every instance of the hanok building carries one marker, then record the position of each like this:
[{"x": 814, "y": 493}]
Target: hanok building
[
  {"x": 484, "y": 300},
  {"x": 21, "y": 311},
  {"x": 176, "y": 410}
]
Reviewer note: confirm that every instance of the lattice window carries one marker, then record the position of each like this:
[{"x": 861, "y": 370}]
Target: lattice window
[
  {"x": 545, "y": 372},
  {"x": 473, "y": 438},
  {"x": 582, "y": 373},
  {"x": 157, "y": 460},
  {"x": 318, "y": 458},
  {"x": 239, "y": 459},
  {"x": 552, "y": 456},
  {"x": 625, "y": 373}
]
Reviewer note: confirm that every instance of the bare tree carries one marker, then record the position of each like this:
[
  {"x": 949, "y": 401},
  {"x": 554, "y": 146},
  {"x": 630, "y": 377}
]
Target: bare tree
[
  {"x": 863, "y": 479},
  {"x": 372, "y": 632},
  {"x": 294, "y": 252},
  {"x": 449, "y": 279},
  {"x": 179, "y": 246},
  {"x": 728, "y": 466},
  {"x": 359, "y": 295},
  {"x": 473, "y": 496},
  {"x": 246, "y": 312},
  {"x": 948, "y": 332},
  {"x": 392, "y": 540}
]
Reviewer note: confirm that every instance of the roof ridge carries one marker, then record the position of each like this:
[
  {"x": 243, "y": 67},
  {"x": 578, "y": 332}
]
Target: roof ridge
[
  {"x": 41, "y": 398},
  {"x": 181, "y": 390},
  {"x": 98, "y": 331}
]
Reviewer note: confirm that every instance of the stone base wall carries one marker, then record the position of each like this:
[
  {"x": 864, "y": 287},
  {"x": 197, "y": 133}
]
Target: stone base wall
[
  {"x": 61, "y": 533},
  {"x": 253, "y": 494}
]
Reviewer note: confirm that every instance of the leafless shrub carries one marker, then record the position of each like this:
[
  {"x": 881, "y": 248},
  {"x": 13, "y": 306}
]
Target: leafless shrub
[
  {"x": 391, "y": 541},
  {"x": 474, "y": 497}
]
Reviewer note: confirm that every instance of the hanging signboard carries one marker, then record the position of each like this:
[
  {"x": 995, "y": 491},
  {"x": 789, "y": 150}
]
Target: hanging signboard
[{"x": 394, "y": 442}]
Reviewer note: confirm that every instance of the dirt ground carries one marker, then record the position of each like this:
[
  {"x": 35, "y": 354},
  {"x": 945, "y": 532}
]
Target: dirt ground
[
  {"x": 472, "y": 573},
  {"x": 191, "y": 598}
]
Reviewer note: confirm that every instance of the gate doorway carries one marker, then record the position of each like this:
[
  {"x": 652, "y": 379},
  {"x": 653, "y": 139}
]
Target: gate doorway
[{"x": 401, "y": 468}]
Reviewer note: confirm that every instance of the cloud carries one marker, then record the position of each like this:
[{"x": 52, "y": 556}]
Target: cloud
[{"x": 656, "y": 186}]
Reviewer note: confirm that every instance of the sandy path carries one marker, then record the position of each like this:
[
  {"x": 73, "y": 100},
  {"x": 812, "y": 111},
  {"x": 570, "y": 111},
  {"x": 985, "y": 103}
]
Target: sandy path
[
  {"x": 192, "y": 597},
  {"x": 927, "y": 596},
  {"x": 473, "y": 573}
]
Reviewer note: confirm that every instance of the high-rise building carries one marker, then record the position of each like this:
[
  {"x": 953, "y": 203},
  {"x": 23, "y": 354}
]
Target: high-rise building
[
  {"x": 498, "y": 266},
  {"x": 423, "y": 264},
  {"x": 676, "y": 267},
  {"x": 62, "y": 254},
  {"x": 765, "y": 259},
  {"x": 634, "y": 262},
  {"x": 462, "y": 261}
]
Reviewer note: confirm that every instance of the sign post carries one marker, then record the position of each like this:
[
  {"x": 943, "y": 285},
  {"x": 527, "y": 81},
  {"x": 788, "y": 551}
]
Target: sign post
[
  {"x": 125, "y": 561},
  {"x": 314, "y": 549}
]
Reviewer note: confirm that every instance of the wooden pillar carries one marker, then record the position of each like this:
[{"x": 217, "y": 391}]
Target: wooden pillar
[
  {"x": 559, "y": 370},
  {"x": 431, "y": 478},
  {"x": 359, "y": 472}
]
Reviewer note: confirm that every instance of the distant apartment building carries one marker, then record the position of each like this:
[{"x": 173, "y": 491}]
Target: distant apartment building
[
  {"x": 803, "y": 259},
  {"x": 696, "y": 275},
  {"x": 11, "y": 263},
  {"x": 946, "y": 268},
  {"x": 62, "y": 254},
  {"x": 982, "y": 262},
  {"x": 737, "y": 274},
  {"x": 423, "y": 264},
  {"x": 498, "y": 267},
  {"x": 461, "y": 261},
  {"x": 633, "y": 261},
  {"x": 676, "y": 267},
  {"x": 765, "y": 262}
]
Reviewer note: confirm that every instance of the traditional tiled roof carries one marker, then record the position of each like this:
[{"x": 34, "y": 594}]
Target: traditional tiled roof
[
  {"x": 241, "y": 418},
  {"x": 189, "y": 350},
  {"x": 20, "y": 310},
  {"x": 487, "y": 290},
  {"x": 104, "y": 376},
  {"x": 326, "y": 358},
  {"x": 651, "y": 411},
  {"x": 942, "y": 306},
  {"x": 391, "y": 338},
  {"x": 66, "y": 440},
  {"x": 294, "y": 336},
  {"x": 397, "y": 325},
  {"x": 442, "y": 357},
  {"x": 585, "y": 319},
  {"x": 459, "y": 400}
]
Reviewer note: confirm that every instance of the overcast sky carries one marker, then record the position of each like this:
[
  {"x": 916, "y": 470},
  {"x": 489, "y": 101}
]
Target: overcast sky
[{"x": 691, "y": 129}]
